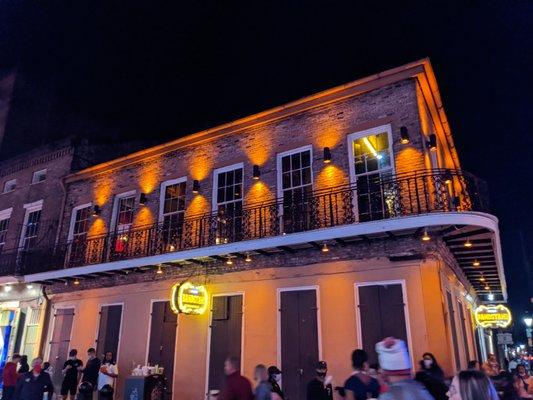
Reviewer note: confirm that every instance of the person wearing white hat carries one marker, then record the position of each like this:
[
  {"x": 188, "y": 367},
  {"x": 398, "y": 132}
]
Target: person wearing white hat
[{"x": 396, "y": 365}]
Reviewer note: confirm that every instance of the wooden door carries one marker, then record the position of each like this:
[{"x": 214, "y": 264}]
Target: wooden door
[
  {"x": 162, "y": 343},
  {"x": 453, "y": 329},
  {"x": 381, "y": 314},
  {"x": 109, "y": 330},
  {"x": 226, "y": 336},
  {"x": 60, "y": 343},
  {"x": 299, "y": 340}
]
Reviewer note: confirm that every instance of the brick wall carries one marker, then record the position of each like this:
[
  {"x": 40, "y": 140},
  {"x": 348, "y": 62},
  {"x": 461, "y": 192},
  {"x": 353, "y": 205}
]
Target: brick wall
[{"x": 327, "y": 125}]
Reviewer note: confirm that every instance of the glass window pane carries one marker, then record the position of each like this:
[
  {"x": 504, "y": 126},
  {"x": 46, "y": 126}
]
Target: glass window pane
[
  {"x": 285, "y": 164},
  {"x": 306, "y": 158},
  {"x": 295, "y": 161}
]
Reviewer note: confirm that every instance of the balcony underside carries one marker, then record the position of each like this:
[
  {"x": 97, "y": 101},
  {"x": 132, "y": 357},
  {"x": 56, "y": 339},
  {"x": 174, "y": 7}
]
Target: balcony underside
[{"x": 453, "y": 227}]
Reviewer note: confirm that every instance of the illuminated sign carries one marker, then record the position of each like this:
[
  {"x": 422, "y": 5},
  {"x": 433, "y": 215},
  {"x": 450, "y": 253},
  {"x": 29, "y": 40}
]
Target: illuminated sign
[
  {"x": 188, "y": 298},
  {"x": 493, "y": 316}
]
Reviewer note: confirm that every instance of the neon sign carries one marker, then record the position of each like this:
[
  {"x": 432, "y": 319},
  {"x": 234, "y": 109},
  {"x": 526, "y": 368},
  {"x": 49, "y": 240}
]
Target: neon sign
[
  {"x": 493, "y": 316},
  {"x": 188, "y": 298}
]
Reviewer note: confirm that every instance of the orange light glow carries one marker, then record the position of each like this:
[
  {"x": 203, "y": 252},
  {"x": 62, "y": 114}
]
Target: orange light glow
[
  {"x": 143, "y": 217},
  {"x": 258, "y": 192},
  {"x": 328, "y": 137},
  {"x": 102, "y": 189},
  {"x": 98, "y": 227},
  {"x": 202, "y": 159},
  {"x": 409, "y": 159},
  {"x": 150, "y": 175},
  {"x": 258, "y": 147},
  {"x": 331, "y": 176},
  {"x": 198, "y": 205}
]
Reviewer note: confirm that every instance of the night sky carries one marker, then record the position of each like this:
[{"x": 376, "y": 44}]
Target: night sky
[{"x": 154, "y": 71}]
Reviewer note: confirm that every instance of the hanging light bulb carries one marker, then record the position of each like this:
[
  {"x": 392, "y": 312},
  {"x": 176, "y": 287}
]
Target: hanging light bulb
[
  {"x": 487, "y": 287},
  {"x": 229, "y": 261},
  {"x": 248, "y": 258},
  {"x": 476, "y": 263},
  {"x": 325, "y": 248},
  {"x": 482, "y": 279},
  {"x": 468, "y": 243},
  {"x": 425, "y": 236},
  {"x": 159, "y": 270},
  {"x": 76, "y": 281}
]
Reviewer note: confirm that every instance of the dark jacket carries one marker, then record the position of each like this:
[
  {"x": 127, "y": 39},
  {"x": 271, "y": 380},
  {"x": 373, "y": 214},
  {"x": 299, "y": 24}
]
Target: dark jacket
[
  {"x": 90, "y": 372},
  {"x": 237, "y": 388},
  {"x": 317, "y": 391},
  {"x": 30, "y": 387}
]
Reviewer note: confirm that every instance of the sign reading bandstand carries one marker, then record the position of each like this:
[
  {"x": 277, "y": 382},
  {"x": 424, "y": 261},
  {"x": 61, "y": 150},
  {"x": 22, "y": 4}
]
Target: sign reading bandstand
[
  {"x": 188, "y": 298},
  {"x": 493, "y": 316}
]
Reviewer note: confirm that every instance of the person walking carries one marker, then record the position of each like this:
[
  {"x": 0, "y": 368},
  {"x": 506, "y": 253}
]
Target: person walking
[
  {"x": 320, "y": 388},
  {"x": 24, "y": 366},
  {"x": 71, "y": 372},
  {"x": 472, "y": 385},
  {"x": 523, "y": 383},
  {"x": 274, "y": 377},
  {"x": 263, "y": 389},
  {"x": 92, "y": 368},
  {"x": 237, "y": 387},
  {"x": 35, "y": 384},
  {"x": 431, "y": 367},
  {"x": 360, "y": 385},
  {"x": 396, "y": 365},
  {"x": 106, "y": 376},
  {"x": 432, "y": 377},
  {"x": 9, "y": 377}
]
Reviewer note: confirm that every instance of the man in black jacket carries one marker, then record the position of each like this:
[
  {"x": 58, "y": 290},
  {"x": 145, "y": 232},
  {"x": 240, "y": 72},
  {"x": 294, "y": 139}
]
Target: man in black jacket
[
  {"x": 34, "y": 385},
  {"x": 320, "y": 388}
]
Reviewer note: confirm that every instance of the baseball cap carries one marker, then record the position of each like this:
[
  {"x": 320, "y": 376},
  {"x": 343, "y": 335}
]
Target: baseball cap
[{"x": 272, "y": 370}]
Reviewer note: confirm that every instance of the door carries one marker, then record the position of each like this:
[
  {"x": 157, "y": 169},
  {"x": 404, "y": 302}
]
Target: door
[
  {"x": 109, "y": 330},
  {"x": 453, "y": 329},
  {"x": 299, "y": 340},
  {"x": 226, "y": 336},
  {"x": 463, "y": 330},
  {"x": 59, "y": 345},
  {"x": 381, "y": 314},
  {"x": 162, "y": 343}
]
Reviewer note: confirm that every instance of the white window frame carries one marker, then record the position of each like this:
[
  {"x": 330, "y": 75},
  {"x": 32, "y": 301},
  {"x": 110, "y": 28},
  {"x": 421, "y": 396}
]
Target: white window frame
[
  {"x": 29, "y": 207},
  {"x": 6, "y": 183},
  {"x": 406, "y": 313},
  {"x": 367, "y": 132},
  {"x": 73, "y": 218},
  {"x": 38, "y": 173},
  {"x": 6, "y": 214},
  {"x": 279, "y": 172},
  {"x": 218, "y": 171},
  {"x": 210, "y": 322},
  {"x": 114, "y": 216},
  {"x": 279, "y": 290},
  {"x": 163, "y": 189}
]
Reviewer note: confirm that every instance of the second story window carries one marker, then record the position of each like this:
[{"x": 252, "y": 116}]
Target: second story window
[
  {"x": 228, "y": 203},
  {"x": 173, "y": 213},
  {"x": 9, "y": 185},
  {"x": 39, "y": 176},
  {"x": 81, "y": 223},
  {"x": 371, "y": 164},
  {"x": 4, "y": 225},
  {"x": 296, "y": 178},
  {"x": 125, "y": 212},
  {"x": 30, "y": 230}
]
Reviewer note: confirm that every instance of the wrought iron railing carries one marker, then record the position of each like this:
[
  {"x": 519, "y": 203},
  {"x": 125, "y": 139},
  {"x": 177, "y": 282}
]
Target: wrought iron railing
[{"x": 371, "y": 198}]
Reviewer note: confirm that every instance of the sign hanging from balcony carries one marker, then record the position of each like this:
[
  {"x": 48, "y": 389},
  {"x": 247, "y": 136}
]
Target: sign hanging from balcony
[
  {"x": 493, "y": 316},
  {"x": 188, "y": 298}
]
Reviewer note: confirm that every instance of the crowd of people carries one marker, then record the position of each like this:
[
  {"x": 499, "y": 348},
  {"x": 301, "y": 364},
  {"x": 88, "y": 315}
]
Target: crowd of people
[
  {"x": 95, "y": 379},
  {"x": 391, "y": 379}
]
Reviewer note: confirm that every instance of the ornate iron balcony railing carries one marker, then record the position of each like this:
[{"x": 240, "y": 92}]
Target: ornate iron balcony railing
[{"x": 371, "y": 198}]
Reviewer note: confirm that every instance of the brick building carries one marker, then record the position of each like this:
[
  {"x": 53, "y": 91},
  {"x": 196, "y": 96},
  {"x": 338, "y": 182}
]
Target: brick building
[{"x": 316, "y": 227}]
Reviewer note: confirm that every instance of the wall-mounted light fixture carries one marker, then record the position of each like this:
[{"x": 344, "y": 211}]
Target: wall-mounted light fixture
[
  {"x": 248, "y": 258},
  {"x": 432, "y": 142},
  {"x": 96, "y": 210},
  {"x": 256, "y": 174},
  {"x": 448, "y": 176},
  {"x": 143, "y": 199},
  {"x": 327, "y": 155},
  {"x": 195, "y": 186},
  {"x": 425, "y": 236},
  {"x": 76, "y": 281},
  {"x": 404, "y": 135}
]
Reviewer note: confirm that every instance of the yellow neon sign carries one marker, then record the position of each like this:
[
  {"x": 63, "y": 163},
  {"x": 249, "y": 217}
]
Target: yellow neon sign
[
  {"x": 188, "y": 298},
  {"x": 493, "y": 316}
]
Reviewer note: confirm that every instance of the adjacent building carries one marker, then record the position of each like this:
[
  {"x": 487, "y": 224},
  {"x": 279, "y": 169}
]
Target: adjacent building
[{"x": 315, "y": 228}]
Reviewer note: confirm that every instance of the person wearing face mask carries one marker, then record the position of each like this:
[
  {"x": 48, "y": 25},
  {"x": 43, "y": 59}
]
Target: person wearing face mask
[
  {"x": 274, "y": 377},
  {"x": 429, "y": 366},
  {"x": 320, "y": 388},
  {"x": 35, "y": 384}
]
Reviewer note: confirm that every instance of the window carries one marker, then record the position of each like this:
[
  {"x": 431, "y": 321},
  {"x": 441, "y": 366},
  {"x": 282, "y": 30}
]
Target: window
[
  {"x": 125, "y": 211},
  {"x": 79, "y": 226},
  {"x": 30, "y": 230},
  {"x": 371, "y": 164},
  {"x": 82, "y": 219},
  {"x": 10, "y": 185},
  {"x": 4, "y": 225},
  {"x": 39, "y": 176},
  {"x": 121, "y": 221},
  {"x": 295, "y": 179},
  {"x": 228, "y": 204},
  {"x": 172, "y": 212}
]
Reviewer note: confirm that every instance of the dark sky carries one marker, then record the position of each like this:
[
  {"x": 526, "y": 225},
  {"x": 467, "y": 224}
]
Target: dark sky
[{"x": 149, "y": 70}]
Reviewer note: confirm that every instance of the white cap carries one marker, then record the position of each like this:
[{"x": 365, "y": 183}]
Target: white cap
[{"x": 393, "y": 355}]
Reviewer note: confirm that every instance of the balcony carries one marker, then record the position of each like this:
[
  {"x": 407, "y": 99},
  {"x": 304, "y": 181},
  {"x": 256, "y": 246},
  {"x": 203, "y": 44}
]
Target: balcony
[{"x": 378, "y": 199}]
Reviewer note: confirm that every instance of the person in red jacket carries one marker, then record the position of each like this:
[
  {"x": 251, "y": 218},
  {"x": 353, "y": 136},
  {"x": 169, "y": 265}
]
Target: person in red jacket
[
  {"x": 9, "y": 378},
  {"x": 237, "y": 387}
]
